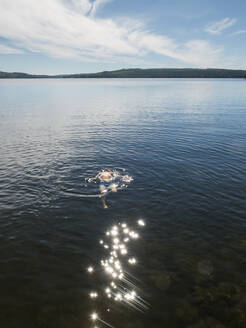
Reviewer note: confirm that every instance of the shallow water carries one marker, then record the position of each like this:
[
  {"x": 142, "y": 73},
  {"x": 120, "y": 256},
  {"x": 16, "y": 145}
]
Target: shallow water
[{"x": 184, "y": 143}]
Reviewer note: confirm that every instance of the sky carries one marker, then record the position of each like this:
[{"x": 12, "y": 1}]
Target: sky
[{"x": 80, "y": 36}]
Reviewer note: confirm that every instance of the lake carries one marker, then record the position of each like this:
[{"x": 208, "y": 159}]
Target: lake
[{"x": 183, "y": 141}]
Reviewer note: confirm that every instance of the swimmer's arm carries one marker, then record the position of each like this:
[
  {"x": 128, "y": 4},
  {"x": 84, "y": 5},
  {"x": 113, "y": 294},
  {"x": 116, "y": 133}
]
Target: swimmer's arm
[{"x": 91, "y": 179}]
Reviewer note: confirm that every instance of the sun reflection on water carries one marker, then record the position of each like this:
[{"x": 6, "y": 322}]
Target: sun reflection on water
[{"x": 119, "y": 283}]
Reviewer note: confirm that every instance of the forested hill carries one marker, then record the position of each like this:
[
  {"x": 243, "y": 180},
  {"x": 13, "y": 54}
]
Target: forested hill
[
  {"x": 167, "y": 73},
  {"x": 17, "y": 75},
  {"x": 144, "y": 73}
]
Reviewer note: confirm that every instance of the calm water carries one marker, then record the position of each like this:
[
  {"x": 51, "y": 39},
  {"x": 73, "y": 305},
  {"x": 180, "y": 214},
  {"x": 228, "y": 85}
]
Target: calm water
[{"x": 184, "y": 143}]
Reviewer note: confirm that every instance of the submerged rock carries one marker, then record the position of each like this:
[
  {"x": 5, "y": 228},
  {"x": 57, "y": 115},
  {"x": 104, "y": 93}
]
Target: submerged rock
[{"x": 205, "y": 267}]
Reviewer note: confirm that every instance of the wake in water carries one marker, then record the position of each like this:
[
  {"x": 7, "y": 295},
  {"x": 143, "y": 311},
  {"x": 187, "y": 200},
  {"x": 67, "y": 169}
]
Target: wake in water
[
  {"x": 99, "y": 186},
  {"x": 119, "y": 283}
]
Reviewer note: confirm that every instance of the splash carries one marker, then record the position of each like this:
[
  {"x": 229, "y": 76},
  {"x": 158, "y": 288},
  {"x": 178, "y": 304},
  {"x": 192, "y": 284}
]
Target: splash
[{"x": 119, "y": 286}]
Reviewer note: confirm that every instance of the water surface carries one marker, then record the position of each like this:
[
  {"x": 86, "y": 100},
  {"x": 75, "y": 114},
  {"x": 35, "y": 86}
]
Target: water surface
[{"x": 184, "y": 143}]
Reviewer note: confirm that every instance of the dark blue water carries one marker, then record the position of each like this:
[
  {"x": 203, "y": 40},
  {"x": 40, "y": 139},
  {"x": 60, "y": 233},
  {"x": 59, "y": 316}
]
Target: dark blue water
[{"x": 184, "y": 143}]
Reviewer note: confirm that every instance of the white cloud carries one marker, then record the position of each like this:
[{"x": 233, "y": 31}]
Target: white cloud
[
  {"x": 82, "y": 6},
  {"x": 70, "y": 29},
  {"x": 218, "y": 27},
  {"x": 200, "y": 52},
  {"x": 5, "y": 50},
  {"x": 239, "y": 32},
  {"x": 96, "y": 4}
]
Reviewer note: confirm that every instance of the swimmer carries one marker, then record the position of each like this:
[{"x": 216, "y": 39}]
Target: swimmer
[{"x": 106, "y": 178}]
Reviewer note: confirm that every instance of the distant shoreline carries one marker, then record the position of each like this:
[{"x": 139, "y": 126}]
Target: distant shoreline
[{"x": 138, "y": 73}]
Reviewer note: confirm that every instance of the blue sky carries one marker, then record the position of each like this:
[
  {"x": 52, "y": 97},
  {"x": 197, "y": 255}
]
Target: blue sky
[{"x": 72, "y": 36}]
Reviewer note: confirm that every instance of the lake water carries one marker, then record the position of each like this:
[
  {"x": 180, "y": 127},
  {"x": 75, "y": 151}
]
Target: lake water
[{"x": 184, "y": 143}]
